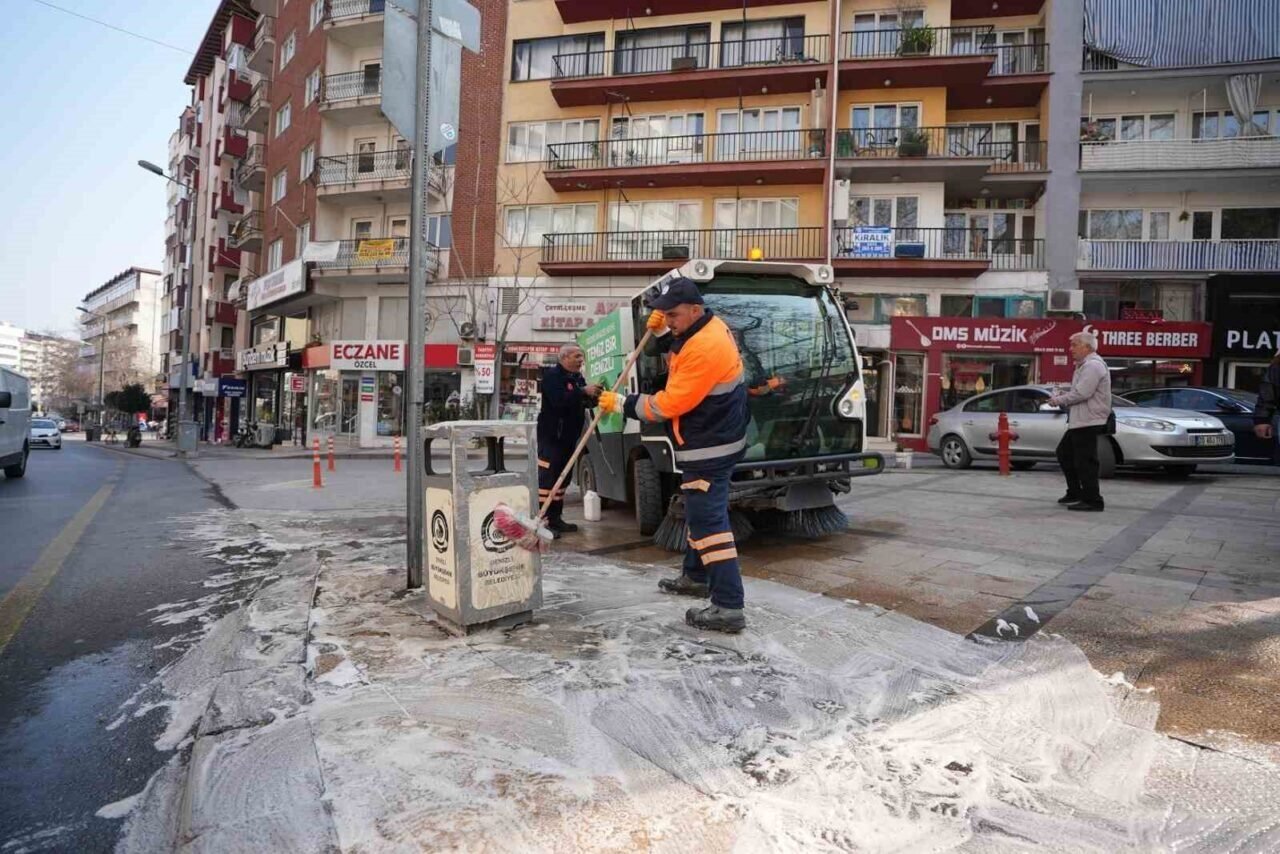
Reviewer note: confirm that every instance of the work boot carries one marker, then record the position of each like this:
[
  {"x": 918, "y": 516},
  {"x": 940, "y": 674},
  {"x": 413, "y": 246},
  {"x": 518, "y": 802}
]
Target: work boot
[
  {"x": 1087, "y": 507},
  {"x": 716, "y": 619},
  {"x": 560, "y": 526},
  {"x": 1069, "y": 499},
  {"x": 683, "y": 585}
]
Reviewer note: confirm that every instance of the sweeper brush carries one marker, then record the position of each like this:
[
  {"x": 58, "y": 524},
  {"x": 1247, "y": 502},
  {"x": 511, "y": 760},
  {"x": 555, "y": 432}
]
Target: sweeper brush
[
  {"x": 811, "y": 524},
  {"x": 673, "y": 533}
]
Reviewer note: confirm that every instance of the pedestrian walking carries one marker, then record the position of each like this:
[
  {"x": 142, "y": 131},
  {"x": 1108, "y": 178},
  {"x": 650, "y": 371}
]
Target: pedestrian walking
[
  {"x": 1267, "y": 405},
  {"x": 1089, "y": 416},
  {"x": 704, "y": 408},
  {"x": 566, "y": 397}
]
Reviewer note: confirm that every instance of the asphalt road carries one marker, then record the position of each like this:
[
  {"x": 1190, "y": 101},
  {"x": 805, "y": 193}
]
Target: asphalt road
[{"x": 84, "y": 553}]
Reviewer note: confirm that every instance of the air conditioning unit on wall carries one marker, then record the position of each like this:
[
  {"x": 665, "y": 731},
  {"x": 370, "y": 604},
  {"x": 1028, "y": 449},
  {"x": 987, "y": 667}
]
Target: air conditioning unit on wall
[
  {"x": 466, "y": 357},
  {"x": 1071, "y": 301}
]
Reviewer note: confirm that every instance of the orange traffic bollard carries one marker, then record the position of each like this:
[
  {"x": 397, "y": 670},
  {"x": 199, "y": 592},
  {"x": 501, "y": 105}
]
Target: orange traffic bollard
[
  {"x": 331, "y": 453},
  {"x": 315, "y": 463},
  {"x": 396, "y": 454},
  {"x": 1003, "y": 437}
]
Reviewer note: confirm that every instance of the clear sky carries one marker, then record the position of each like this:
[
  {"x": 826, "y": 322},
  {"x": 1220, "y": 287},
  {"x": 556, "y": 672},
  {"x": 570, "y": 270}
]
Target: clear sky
[{"x": 81, "y": 104}]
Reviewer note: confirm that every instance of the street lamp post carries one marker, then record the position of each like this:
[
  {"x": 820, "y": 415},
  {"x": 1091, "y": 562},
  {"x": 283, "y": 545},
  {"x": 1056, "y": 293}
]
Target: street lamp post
[
  {"x": 186, "y": 426},
  {"x": 102, "y": 361}
]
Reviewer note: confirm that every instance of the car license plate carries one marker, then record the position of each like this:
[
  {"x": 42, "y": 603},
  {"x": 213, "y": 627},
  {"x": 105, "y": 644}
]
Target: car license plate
[{"x": 1213, "y": 440}]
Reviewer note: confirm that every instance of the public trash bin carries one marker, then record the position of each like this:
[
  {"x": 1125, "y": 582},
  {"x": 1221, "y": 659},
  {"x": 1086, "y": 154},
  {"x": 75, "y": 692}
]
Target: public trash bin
[
  {"x": 474, "y": 575},
  {"x": 93, "y": 434}
]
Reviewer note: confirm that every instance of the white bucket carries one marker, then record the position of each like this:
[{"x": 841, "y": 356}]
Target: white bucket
[
  {"x": 591, "y": 506},
  {"x": 904, "y": 459}
]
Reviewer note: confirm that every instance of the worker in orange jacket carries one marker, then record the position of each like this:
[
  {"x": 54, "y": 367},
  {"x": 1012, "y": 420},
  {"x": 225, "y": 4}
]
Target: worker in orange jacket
[{"x": 704, "y": 408}]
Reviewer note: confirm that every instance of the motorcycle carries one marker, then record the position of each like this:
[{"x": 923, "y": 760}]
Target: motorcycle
[
  {"x": 246, "y": 436},
  {"x": 133, "y": 438}
]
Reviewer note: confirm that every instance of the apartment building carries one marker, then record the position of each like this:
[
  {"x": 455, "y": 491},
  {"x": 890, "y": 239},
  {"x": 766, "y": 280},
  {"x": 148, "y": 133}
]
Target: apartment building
[
  {"x": 11, "y": 345},
  {"x": 120, "y": 329},
  {"x": 44, "y": 357},
  {"x": 332, "y": 227},
  {"x": 1179, "y": 174}
]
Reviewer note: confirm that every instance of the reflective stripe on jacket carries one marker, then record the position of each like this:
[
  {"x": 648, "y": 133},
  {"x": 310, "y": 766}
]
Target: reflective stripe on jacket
[{"x": 704, "y": 404}]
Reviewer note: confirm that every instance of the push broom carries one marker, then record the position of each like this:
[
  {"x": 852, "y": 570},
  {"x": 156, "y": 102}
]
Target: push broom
[{"x": 529, "y": 532}]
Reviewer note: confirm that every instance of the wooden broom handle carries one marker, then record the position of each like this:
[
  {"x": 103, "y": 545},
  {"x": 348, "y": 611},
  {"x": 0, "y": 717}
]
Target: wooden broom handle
[{"x": 600, "y": 413}]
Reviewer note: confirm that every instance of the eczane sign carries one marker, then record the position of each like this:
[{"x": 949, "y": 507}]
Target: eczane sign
[{"x": 366, "y": 355}]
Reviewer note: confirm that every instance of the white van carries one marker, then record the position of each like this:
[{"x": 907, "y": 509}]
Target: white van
[{"x": 15, "y": 422}]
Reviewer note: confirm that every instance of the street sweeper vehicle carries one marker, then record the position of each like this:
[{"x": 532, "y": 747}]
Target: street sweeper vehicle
[{"x": 805, "y": 440}]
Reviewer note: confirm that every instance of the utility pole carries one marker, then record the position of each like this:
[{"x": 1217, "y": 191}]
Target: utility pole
[{"x": 417, "y": 295}]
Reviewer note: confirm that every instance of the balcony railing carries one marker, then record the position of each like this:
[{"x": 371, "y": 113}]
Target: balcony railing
[
  {"x": 1206, "y": 256},
  {"x": 748, "y": 146},
  {"x": 247, "y": 230},
  {"x": 1019, "y": 59},
  {"x": 371, "y": 253},
  {"x": 336, "y": 10},
  {"x": 680, "y": 244},
  {"x": 958, "y": 143},
  {"x": 366, "y": 83},
  {"x": 916, "y": 42},
  {"x": 371, "y": 166},
  {"x": 937, "y": 244},
  {"x": 739, "y": 53},
  {"x": 254, "y": 158},
  {"x": 1245, "y": 152}
]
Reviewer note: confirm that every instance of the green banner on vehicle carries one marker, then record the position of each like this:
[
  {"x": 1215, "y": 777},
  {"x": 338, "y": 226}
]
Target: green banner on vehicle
[{"x": 602, "y": 344}]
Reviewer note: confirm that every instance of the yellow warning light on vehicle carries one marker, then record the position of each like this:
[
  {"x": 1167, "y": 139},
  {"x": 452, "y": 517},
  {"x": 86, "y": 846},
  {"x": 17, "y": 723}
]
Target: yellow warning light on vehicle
[{"x": 756, "y": 254}]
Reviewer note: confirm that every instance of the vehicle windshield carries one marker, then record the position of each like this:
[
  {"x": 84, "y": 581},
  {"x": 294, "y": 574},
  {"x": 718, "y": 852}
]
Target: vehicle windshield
[
  {"x": 1245, "y": 397},
  {"x": 44, "y": 424},
  {"x": 791, "y": 333}
]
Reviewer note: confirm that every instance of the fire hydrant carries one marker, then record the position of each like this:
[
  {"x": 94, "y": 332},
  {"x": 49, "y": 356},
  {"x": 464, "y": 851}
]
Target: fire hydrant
[{"x": 1003, "y": 437}]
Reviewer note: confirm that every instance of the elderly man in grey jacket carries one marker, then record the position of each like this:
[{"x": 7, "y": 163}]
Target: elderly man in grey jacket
[{"x": 1089, "y": 410}]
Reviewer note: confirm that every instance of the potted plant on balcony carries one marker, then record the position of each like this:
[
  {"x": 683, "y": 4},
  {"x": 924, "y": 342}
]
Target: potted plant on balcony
[
  {"x": 917, "y": 41},
  {"x": 913, "y": 143}
]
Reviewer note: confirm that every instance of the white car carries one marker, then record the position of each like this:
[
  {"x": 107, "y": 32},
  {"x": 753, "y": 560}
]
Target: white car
[
  {"x": 45, "y": 434},
  {"x": 1175, "y": 440},
  {"x": 15, "y": 415}
]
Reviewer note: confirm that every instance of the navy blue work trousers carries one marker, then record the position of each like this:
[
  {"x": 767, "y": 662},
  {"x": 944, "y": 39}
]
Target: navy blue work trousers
[{"x": 712, "y": 555}]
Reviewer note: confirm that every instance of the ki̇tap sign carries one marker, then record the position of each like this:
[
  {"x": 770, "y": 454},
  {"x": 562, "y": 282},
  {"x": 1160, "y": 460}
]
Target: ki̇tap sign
[{"x": 366, "y": 355}]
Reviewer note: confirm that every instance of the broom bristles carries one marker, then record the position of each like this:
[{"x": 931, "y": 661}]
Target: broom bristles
[{"x": 523, "y": 530}]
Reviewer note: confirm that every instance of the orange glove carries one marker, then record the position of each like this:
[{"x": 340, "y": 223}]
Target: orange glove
[
  {"x": 776, "y": 383},
  {"x": 657, "y": 323},
  {"x": 611, "y": 401}
]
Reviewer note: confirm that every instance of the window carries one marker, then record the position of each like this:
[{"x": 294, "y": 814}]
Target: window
[
  {"x": 755, "y": 42},
  {"x": 279, "y": 185},
  {"x": 1250, "y": 223},
  {"x": 957, "y": 306},
  {"x": 398, "y": 227},
  {"x": 558, "y": 56},
  {"x": 361, "y": 229},
  {"x": 895, "y": 306},
  {"x": 878, "y": 124},
  {"x": 1202, "y": 225},
  {"x": 301, "y": 238},
  {"x": 1128, "y": 128},
  {"x": 748, "y": 133},
  {"x": 307, "y": 162},
  {"x": 1112, "y": 224},
  {"x": 440, "y": 230},
  {"x": 1224, "y": 124},
  {"x": 288, "y": 48},
  {"x": 275, "y": 255},
  {"x": 527, "y": 141},
  {"x": 284, "y": 118},
  {"x": 526, "y": 226},
  {"x": 312, "y": 89},
  {"x": 880, "y": 33},
  {"x": 899, "y": 212},
  {"x": 757, "y": 213},
  {"x": 1158, "y": 225},
  {"x": 1106, "y": 300},
  {"x": 655, "y": 50},
  {"x": 317, "y": 13}
]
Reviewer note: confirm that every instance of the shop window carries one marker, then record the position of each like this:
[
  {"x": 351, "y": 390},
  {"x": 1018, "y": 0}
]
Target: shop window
[
  {"x": 997, "y": 306},
  {"x": 860, "y": 308},
  {"x": 390, "y": 403},
  {"x": 905, "y": 306},
  {"x": 265, "y": 333},
  {"x": 324, "y": 401},
  {"x": 965, "y": 376},
  {"x": 1106, "y": 300},
  {"x": 908, "y": 395}
]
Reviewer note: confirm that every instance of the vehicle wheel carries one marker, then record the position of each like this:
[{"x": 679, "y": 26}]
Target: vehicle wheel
[
  {"x": 1022, "y": 465},
  {"x": 587, "y": 480},
  {"x": 1106, "y": 458},
  {"x": 650, "y": 508},
  {"x": 58, "y": 447},
  {"x": 954, "y": 453},
  {"x": 17, "y": 471},
  {"x": 1180, "y": 472}
]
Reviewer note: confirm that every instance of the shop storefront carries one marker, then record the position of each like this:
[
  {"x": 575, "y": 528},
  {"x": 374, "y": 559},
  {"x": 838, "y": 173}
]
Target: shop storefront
[
  {"x": 231, "y": 394},
  {"x": 521, "y": 376},
  {"x": 1246, "y": 323},
  {"x": 357, "y": 391},
  {"x": 266, "y": 366},
  {"x": 940, "y": 362}
]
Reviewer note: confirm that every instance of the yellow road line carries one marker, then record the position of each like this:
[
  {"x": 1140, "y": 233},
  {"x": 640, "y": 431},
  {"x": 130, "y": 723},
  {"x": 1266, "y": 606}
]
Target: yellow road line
[{"x": 26, "y": 593}]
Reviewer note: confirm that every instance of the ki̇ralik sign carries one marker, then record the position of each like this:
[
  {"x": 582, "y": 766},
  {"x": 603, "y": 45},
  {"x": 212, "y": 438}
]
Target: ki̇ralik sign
[{"x": 1119, "y": 338}]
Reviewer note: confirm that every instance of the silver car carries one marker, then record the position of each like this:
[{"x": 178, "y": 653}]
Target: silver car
[
  {"x": 45, "y": 434},
  {"x": 1175, "y": 440}
]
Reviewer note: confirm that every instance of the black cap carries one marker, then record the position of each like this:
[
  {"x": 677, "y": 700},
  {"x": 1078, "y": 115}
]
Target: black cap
[{"x": 670, "y": 293}]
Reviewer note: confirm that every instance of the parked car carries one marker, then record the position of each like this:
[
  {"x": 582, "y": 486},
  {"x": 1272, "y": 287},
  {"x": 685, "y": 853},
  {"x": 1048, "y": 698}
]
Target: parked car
[
  {"x": 1232, "y": 407},
  {"x": 45, "y": 434},
  {"x": 72, "y": 426},
  {"x": 1174, "y": 440},
  {"x": 15, "y": 415}
]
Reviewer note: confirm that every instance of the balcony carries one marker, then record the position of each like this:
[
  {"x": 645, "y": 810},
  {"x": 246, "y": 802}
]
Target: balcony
[
  {"x": 356, "y": 23},
  {"x": 710, "y": 70},
  {"x": 1212, "y": 157},
  {"x": 233, "y": 144},
  {"x": 353, "y": 98},
  {"x": 246, "y": 234},
  {"x": 968, "y": 9},
  {"x": 251, "y": 174},
  {"x": 695, "y": 160},
  {"x": 365, "y": 177},
  {"x": 219, "y": 312},
  {"x": 224, "y": 201},
  {"x": 223, "y": 257},
  {"x": 269, "y": 8},
  {"x": 884, "y": 251},
  {"x": 256, "y": 116},
  {"x": 976, "y": 72},
  {"x": 440, "y": 180},
  {"x": 238, "y": 88},
  {"x": 877, "y": 155},
  {"x": 655, "y": 252},
  {"x": 579, "y": 11},
  {"x": 1197, "y": 256},
  {"x": 262, "y": 55},
  {"x": 383, "y": 258},
  {"x": 238, "y": 31}
]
